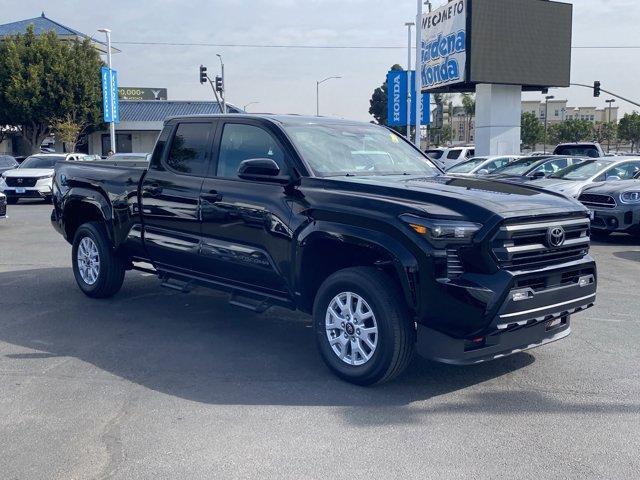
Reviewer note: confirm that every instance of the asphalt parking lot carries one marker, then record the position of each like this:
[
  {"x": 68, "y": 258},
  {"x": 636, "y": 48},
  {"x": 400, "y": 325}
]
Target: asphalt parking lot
[{"x": 154, "y": 384}]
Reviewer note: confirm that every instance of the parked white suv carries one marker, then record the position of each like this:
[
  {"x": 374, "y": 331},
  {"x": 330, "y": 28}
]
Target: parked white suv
[
  {"x": 34, "y": 177},
  {"x": 454, "y": 155}
]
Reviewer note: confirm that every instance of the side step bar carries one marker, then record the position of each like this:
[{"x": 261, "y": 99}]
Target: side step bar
[
  {"x": 177, "y": 285},
  {"x": 257, "y": 306}
]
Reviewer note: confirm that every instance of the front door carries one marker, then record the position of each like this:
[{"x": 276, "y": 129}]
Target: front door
[
  {"x": 171, "y": 195},
  {"x": 245, "y": 224}
]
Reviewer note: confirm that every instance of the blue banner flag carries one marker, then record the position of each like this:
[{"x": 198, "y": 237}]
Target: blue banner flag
[
  {"x": 110, "y": 105},
  {"x": 397, "y": 100}
]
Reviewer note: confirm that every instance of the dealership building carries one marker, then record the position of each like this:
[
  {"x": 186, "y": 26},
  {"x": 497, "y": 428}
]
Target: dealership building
[{"x": 142, "y": 121}]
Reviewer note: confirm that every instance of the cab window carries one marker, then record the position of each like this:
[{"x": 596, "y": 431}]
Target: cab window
[
  {"x": 242, "y": 142},
  {"x": 454, "y": 154},
  {"x": 189, "y": 149}
]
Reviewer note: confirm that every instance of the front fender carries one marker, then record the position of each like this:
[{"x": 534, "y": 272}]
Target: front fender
[{"x": 400, "y": 257}]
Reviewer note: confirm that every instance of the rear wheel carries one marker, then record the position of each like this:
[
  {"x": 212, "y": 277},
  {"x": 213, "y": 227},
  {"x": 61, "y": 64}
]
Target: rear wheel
[
  {"x": 99, "y": 272},
  {"x": 362, "y": 326}
]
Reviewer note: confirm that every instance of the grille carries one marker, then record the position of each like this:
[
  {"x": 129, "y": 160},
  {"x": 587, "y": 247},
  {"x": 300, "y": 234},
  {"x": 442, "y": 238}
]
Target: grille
[
  {"x": 454, "y": 265},
  {"x": 525, "y": 245},
  {"x": 21, "y": 182},
  {"x": 598, "y": 201}
]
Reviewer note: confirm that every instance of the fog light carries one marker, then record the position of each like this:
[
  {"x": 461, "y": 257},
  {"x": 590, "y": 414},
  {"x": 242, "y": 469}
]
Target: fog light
[
  {"x": 520, "y": 295},
  {"x": 585, "y": 281}
]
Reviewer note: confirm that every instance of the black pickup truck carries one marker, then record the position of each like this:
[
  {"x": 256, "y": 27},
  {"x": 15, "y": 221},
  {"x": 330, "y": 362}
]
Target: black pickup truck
[{"x": 345, "y": 221}]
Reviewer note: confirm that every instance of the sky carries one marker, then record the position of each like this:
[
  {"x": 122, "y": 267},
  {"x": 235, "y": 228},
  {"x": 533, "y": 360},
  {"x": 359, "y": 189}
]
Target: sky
[{"x": 283, "y": 80}]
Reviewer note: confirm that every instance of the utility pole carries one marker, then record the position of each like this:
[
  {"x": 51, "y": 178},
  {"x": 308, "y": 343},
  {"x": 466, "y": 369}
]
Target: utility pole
[
  {"x": 418, "y": 83},
  {"x": 224, "y": 86},
  {"x": 112, "y": 124},
  {"x": 409, "y": 89},
  {"x": 546, "y": 118},
  {"x": 610, "y": 102},
  {"x": 318, "y": 83}
]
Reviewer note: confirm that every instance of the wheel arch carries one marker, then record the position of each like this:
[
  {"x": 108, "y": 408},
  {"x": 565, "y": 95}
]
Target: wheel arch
[
  {"x": 350, "y": 246},
  {"x": 84, "y": 205}
]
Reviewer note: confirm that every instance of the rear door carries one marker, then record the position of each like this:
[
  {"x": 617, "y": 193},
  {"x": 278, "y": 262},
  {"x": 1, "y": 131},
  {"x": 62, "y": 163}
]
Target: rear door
[{"x": 171, "y": 190}]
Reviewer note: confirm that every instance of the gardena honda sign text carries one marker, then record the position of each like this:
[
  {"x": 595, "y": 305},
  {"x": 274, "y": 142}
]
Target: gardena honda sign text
[{"x": 444, "y": 45}]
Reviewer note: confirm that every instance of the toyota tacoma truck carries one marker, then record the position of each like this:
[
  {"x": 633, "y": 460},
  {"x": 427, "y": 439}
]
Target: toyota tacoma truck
[{"x": 342, "y": 220}]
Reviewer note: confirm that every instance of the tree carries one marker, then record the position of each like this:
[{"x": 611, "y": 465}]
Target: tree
[
  {"x": 571, "y": 130},
  {"x": 532, "y": 130},
  {"x": 629, "y": 129},
  {"x": 44, "y": 81},
  {"x": 469, "y": 107},
  {"x": 379, "y": 99},
  {"x": 605, "y": 132},
  {"x": 68, "y": 132}
]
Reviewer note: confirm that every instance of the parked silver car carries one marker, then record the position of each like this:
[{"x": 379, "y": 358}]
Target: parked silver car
[
  {"x": 615, "y": 206},
  {"x": 573, "y": 180},
  {"x": 481, "y": 165}
]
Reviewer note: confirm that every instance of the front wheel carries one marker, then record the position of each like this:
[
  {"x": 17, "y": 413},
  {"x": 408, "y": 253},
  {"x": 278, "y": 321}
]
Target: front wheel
[
  {"x": 363, "y": 327},
  {"x": 99, "y": 272}
]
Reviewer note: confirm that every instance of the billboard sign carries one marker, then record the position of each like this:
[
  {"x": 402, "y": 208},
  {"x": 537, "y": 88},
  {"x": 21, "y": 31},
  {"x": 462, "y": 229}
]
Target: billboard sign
[
  {"x": 110, "y": 105},
  {"x": 444, "y": 45},
  {"x": 142, "y": 93},
  {"x": 397, "y": 100}
]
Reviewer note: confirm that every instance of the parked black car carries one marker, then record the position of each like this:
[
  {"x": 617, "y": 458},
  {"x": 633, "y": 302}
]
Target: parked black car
[{"x": 343, "y": 220}]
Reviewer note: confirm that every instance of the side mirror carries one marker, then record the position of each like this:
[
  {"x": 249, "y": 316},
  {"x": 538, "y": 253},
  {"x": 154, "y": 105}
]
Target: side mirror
[
  {"x": 262, "y": 170},
  {"x": 613, "y": 178},
  {"x": 539, "y": 175},
  {"x": 483, "y": 171}
]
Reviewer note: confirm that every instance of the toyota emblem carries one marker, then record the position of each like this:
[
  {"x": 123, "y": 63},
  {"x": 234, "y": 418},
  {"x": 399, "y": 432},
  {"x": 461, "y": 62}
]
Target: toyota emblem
[{"x": 556, "y": 237}]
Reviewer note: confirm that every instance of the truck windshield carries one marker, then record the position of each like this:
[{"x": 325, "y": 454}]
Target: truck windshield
[
  {"x": 582, "y": 171},
  {"x": 350, "y": 150}
]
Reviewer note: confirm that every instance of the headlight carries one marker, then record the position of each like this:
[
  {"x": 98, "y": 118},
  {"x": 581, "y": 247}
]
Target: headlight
[
  {"x": 630, "y": 197},
  {"x": 441, "y": 232}
]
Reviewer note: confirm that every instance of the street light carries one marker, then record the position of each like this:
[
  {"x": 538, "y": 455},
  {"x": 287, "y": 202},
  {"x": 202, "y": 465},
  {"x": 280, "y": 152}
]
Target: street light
[
  {"x": 318, "y": 83},
  {"x": 112, "y": 125},
  {"x": 409, "y": 25},
  {"x": 610, "y": 102},
  {"x": 223, "y": 94},
  {"x": 546, "y": 118},
  {"x": 249, "y": 104}
]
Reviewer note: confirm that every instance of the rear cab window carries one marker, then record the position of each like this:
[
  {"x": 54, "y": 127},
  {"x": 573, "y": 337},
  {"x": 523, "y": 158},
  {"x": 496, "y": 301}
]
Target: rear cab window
[{"x": 188, "y": 153}]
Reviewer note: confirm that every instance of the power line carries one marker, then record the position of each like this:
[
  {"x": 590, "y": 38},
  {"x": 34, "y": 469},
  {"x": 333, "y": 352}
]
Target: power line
[{"x": 335, "y": 47}]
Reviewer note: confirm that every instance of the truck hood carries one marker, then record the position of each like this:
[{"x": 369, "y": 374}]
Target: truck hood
[
  {"x": 475, "y": 196},
  {"x": 28, "y": 173},
  {"x": 611, "y": 188}
]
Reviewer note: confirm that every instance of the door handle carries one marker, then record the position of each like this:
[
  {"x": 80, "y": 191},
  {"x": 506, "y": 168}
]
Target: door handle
[
  {"x": 152, "y": 190},
  {"x": 211, "y": 197}
]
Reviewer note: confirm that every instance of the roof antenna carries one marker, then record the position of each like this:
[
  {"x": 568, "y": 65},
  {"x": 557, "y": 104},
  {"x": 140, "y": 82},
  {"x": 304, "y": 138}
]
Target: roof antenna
[{"x": 42, "y": 15}]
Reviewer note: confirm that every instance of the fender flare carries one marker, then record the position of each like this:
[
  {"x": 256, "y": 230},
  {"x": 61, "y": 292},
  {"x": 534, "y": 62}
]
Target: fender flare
[
  {"x": 87, "y": 196},
  {"x": 402, "y": 259}
]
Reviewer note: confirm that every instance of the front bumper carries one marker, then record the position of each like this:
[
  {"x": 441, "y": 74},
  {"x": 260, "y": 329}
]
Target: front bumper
[
  {"x": 33, "y": 192},
  {"x": 534, "y": 310},
  {"x": 620, "y": 219}
]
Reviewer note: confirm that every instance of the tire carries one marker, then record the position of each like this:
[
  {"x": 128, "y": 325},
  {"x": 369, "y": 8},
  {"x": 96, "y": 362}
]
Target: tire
[
  {"x": 395, "y": 339},
  {"x": 111, "y": 269},
  {"x": 12, "y": 201}
]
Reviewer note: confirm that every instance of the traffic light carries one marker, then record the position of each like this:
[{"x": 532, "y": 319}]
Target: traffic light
[
  {"x": 219, "y": 84},
  {"x": 203, "y": 74},
  {"x": 596, "y": 89}
]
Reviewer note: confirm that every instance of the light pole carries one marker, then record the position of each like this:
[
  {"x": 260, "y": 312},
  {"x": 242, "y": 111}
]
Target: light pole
[
  {"x": 318, "y": 83},
  {"x": 223, "y": 94},
  {"x": 546, "y": 118},
  {"x": 610, "y": 102},
  {"x": 112, "y": 124},
  {"x": 409, "y": 89},
  {"x": 249, "y": 104}
]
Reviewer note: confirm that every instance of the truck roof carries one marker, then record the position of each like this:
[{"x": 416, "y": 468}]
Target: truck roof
[{"x": 282, "y": 119}]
